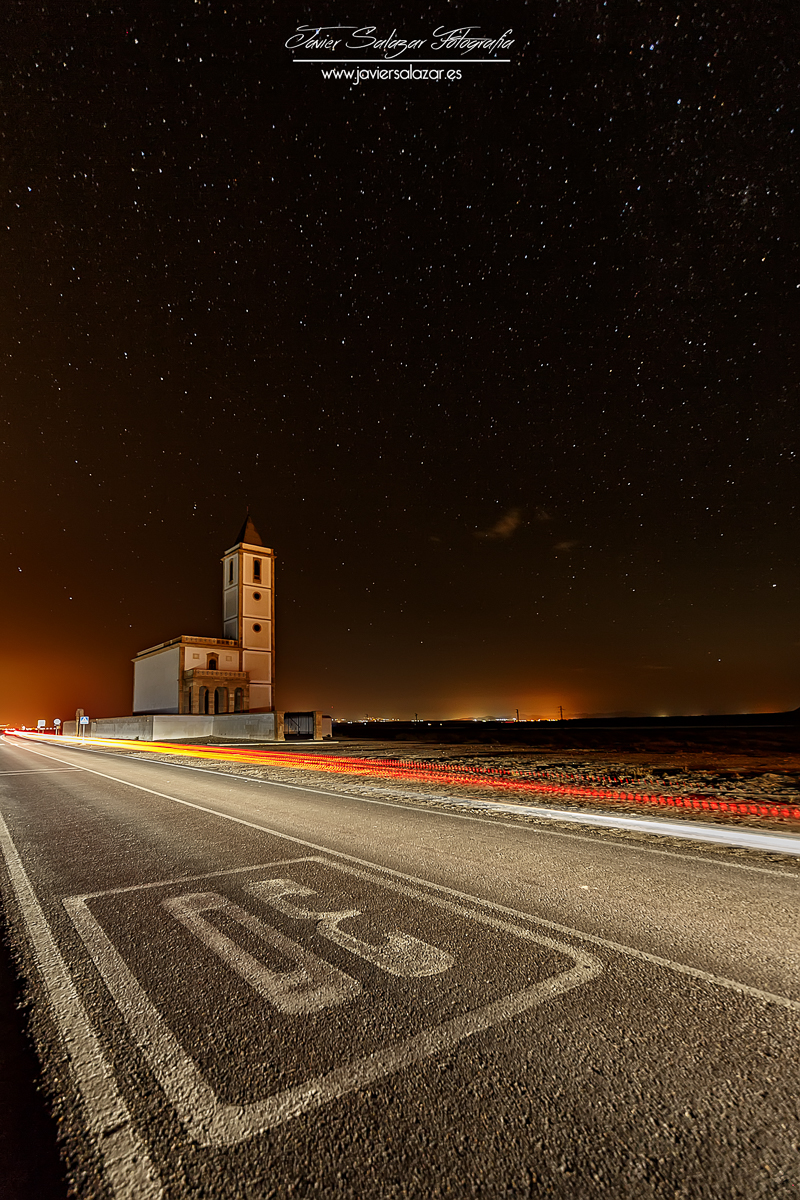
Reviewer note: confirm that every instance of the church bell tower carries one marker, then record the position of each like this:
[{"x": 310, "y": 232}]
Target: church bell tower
[{"x": 248, "y": 605}]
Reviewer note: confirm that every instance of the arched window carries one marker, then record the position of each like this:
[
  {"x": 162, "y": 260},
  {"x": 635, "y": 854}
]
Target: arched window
[
  {"x": 238, "y": 700},
  {"x": 212, "y": 664}
]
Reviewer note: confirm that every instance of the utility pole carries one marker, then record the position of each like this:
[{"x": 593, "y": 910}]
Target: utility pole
[
  {"x": 518, "y": 716},
  {"x": 560, "y": 713}
]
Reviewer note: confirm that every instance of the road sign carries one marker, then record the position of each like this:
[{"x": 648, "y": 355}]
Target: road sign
[
  {"x": 84, "y": 720},
  {"x": 41, "y": 724},
  {"x": 57, "y": 722}
]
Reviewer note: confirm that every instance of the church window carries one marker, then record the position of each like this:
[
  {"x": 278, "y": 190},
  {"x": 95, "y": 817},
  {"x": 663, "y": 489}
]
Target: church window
[
  {"x": 256, "y": 570},
  {"x": 212, "y": 664},
  {"x": 230, "y": 571},
  {"x": 256, "y": 595},
  {"x": 256, "y": 629}
]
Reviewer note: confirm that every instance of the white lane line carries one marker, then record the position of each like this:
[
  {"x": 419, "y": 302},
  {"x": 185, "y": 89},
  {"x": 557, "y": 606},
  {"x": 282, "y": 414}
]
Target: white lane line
[
  {"x": 742, "y": 839},
  {"x": 547, "y": 814},
  {"x": 575, "y": 837},
  {"x": 159, "y": 883},
  {"x": 40, "y": 771},
  {"x": 694, "y": 972},
  {"x": 127, "y": 1165},
  {"x": 211, "y": 1122}
]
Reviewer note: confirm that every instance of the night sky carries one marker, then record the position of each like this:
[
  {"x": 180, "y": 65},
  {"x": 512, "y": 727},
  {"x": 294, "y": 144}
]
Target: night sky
[{"x": 505, "y": 367}]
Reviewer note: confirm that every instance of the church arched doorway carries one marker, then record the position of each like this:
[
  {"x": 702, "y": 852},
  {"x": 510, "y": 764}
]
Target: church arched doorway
[
  {"x": 221, "y": 700},
  {"x": 203, "y": 705}
]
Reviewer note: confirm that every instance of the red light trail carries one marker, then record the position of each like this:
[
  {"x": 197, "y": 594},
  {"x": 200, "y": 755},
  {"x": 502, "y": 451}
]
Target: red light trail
[{"x": 444, "y": 773}]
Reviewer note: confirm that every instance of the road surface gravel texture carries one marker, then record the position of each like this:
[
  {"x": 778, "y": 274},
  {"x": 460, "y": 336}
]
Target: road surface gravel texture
[{"x": 244, "y": 988}]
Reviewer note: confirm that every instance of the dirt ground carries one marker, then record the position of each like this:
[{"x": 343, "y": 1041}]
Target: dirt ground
[{"x": 731, "y": 773}]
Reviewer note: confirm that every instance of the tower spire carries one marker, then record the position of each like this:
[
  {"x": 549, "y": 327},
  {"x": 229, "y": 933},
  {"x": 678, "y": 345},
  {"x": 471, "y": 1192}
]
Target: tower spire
[{"x": 248, "y": 533}]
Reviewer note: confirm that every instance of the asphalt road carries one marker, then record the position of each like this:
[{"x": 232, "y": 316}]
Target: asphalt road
[{"x": 242, "y": 989}]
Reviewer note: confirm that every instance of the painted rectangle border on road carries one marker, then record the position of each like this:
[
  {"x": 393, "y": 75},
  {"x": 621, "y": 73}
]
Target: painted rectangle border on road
[{"x": 212, "y": 1122}]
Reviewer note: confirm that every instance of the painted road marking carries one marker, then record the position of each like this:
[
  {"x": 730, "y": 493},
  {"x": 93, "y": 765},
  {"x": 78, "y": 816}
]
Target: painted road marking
[
  {"x": 41, "y": 771},
  {"x": 128, "y": 1168},
  {"x": 126, "y": 1164},
  {"x": 311, "y": 986},
  {"x": 211, "y": 1121},
  {"x": 723, "y": 981},
  {"x": 401, "y": 954}
]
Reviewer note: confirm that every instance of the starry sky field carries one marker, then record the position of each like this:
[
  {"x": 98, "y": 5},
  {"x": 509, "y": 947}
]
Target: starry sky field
[{"x": 506, "y": 367}]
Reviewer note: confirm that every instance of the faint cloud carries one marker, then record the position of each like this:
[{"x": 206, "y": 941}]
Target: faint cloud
[
  {"x": 505, "y": 527},
  {"x": 564, "y": 547},
  {"x": 541, "y": 515}
]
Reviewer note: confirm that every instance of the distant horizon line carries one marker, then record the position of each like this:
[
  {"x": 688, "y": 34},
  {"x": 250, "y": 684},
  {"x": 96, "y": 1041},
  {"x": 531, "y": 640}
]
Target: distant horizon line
[{"x": 626, "y": 714}]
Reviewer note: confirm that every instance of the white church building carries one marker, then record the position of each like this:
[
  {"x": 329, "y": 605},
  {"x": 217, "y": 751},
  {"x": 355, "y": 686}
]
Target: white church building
[{"x": 231, "y": 674}]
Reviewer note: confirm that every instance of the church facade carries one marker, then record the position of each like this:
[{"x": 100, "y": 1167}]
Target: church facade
[{"x": 234, "y": 673}]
